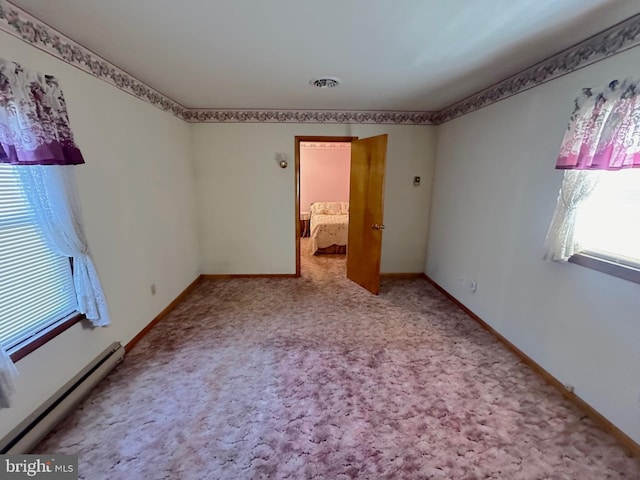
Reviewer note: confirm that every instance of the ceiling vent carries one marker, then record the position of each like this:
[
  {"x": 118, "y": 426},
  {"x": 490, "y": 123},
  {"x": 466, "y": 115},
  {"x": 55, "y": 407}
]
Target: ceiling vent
[{"x": 325, "y": 82}]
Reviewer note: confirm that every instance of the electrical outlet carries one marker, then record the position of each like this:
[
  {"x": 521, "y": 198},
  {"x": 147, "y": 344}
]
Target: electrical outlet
[
  {"x": 473, "y": 286},
  {"x": 153, "y": 289}
]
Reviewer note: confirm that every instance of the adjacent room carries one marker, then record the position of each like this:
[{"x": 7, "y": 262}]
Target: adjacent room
[
  {"x": 289, "y": 240},
  {"x": 324, "y": 196}
]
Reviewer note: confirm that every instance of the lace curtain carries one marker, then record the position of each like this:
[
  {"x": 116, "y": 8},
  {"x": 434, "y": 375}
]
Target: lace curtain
[
  {"x": 8, "y": 373},
  {"x": 577, "y": 185},
  {"x": 51, "y": 191},
  {"x": 35, "y": 134}
]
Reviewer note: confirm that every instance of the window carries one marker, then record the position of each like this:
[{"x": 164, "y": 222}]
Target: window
[
  {"x": 36, "y": 285},
  {"x": 608, "y": 221},
  {"x": 607, "y": 225},
  {"x": 596, "y": 222},
  {"x": 40, "y": 296}
]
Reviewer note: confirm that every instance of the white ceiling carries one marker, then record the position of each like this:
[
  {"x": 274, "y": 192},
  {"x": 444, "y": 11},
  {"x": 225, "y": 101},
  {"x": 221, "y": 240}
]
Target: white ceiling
[{"x": 391, "y": 54}]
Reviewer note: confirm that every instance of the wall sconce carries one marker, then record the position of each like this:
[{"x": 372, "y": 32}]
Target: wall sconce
[{"x": 281, "y": 160}]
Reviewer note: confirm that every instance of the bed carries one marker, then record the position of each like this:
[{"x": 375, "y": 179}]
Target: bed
[{"x": 329, "y": 227}]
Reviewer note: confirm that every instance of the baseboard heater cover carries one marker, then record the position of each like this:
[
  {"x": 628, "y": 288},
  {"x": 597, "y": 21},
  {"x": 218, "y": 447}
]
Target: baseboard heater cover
[{"x": 28, "y": 434}]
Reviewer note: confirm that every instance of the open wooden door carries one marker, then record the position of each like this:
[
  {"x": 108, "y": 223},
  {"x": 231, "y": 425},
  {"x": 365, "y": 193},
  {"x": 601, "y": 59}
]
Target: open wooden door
[{"x": 368, "y": 157}]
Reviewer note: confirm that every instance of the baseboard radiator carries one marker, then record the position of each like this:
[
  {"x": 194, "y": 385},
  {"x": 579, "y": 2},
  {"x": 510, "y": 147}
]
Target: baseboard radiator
[{"x": 28, "y": 434}]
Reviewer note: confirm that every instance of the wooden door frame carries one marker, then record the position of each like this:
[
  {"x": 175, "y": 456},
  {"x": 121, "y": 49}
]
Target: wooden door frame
[{"x": 298, "y": 140}]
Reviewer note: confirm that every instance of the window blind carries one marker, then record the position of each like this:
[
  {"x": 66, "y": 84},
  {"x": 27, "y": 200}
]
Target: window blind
[{"x": 36, "y": 285}]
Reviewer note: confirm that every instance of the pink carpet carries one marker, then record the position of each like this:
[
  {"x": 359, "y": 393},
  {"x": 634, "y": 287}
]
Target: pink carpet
[{"x": 314, "y": 378}]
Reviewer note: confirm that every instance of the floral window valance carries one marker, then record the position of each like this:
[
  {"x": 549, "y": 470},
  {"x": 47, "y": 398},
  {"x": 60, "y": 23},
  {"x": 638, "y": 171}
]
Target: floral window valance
[
  {"x": 604, "y": 129},
  {"x": 34, "y": 124}
]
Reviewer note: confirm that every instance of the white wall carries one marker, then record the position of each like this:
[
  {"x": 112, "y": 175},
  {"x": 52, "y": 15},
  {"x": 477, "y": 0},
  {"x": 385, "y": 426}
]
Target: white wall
[
  {"x": 137, "y": 193},
  {"x": 246, "y": 202},
  {"x": 494, "y": 194}
]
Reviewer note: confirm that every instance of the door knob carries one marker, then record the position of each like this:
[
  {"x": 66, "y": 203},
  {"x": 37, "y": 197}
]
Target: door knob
[{"x": 375, "y": 226}]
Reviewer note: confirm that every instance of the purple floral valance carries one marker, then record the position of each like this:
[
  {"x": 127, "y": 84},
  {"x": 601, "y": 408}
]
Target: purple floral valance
[
  {"x": 604, "y": 129},
  {"x": 34, "y": 124}
]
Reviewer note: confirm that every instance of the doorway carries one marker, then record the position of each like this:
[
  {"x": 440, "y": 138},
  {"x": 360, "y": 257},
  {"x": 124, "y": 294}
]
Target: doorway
[
  {"x": 299, "y": 206},
  {"x": 364, "y": 210}
]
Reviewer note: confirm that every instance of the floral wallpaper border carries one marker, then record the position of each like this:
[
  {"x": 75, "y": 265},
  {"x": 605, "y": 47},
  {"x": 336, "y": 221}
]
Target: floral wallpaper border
[
  {"x": 615, "y": 39},
  {"x": 325, "y": 145},
  {"x": 308, "y": 116},
  {"x": 19, "y": 23}
]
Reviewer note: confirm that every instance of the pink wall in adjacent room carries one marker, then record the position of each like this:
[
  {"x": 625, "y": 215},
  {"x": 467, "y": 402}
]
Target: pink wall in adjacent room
[{"x": 324, "y": 174}]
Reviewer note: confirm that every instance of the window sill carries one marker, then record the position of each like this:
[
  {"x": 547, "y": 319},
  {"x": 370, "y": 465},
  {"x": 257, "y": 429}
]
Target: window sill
[
  {"x": 29, "y": 345},
  {"x": 608, "y": 266}
]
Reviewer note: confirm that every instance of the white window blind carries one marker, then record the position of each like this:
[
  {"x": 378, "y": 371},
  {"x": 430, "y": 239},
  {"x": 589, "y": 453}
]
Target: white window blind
[{"x": 36, "y": 285}]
